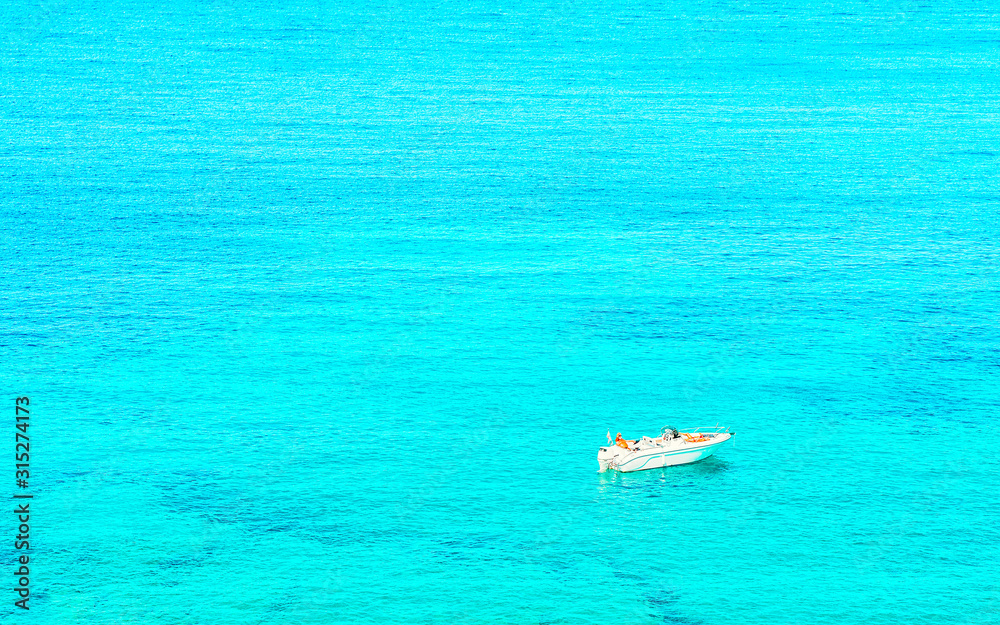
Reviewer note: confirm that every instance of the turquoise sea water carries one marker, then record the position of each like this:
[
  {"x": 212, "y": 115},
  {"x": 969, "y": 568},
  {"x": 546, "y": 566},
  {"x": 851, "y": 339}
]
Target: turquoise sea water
[{"x": 324, "y": 309}]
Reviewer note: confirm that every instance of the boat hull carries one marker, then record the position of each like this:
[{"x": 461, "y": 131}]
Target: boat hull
[{"x": 627, "y": 461}]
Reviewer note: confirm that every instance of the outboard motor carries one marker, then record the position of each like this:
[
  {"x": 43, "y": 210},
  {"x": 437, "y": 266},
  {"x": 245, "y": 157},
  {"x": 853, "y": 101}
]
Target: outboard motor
[{"x": 608, "y": 457}]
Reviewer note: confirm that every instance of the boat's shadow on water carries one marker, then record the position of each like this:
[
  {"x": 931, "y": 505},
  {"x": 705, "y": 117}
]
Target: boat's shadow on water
[{"x": 680, "y": 476}]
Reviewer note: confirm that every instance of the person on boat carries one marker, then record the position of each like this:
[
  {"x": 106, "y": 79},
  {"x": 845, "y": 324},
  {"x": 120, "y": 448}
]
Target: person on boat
[{"x": 621, "y": 442}]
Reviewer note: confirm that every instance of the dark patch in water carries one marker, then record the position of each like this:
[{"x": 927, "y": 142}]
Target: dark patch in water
[{"x": 665, "y": 607}]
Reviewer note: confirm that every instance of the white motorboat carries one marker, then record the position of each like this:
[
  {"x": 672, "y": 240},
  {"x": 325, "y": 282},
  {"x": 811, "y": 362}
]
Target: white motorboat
[{"x": 670, "y": 448}]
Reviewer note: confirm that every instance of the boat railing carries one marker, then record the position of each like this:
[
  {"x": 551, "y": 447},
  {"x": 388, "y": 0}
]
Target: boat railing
[{"x": 717, "y": 429}]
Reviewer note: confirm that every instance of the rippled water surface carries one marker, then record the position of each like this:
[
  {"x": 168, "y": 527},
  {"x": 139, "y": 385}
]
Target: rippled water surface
[{"x": 324, "y": 309}]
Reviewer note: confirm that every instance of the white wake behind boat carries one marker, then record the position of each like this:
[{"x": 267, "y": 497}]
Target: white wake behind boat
[{"x": 670, "y": 448}]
